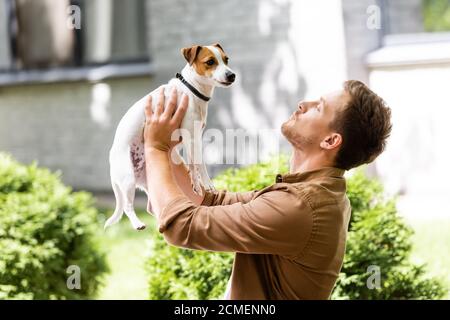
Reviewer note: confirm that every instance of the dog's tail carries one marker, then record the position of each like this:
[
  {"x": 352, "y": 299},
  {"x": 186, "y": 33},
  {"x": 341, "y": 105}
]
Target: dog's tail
[{"x": 118, "y": 212}]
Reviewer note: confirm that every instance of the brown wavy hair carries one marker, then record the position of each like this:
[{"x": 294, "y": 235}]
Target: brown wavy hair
[{"x": 365, "y": 125}]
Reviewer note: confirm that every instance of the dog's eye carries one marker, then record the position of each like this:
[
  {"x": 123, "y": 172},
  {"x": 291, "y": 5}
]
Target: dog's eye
[
  {"x": 226, "y": 60},
  {"x": 210, "y": 62}
]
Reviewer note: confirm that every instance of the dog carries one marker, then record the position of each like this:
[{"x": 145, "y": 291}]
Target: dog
[{"x": 206, "y": 68}]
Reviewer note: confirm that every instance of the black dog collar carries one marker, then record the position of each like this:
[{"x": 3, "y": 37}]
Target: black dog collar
[{"x": 191, "y": 87}]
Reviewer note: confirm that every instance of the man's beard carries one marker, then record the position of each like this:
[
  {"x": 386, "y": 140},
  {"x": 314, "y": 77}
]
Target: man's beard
[{"x": 295, "y": 138}]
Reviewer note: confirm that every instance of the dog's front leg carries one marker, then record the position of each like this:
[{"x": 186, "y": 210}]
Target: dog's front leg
[
  {"x": 199, "y": 165},
  {"x": 192, "y": 144},
  {"x": 194, "y": 172},
  {"x": 206, "y": 180}
]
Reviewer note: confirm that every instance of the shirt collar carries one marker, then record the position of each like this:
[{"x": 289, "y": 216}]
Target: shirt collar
[{"x": 310, "y": 175}]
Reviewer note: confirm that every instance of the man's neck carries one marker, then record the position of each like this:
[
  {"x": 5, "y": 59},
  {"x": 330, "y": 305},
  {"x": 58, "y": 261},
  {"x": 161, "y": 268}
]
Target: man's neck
[{"x": 302, "y": 162}]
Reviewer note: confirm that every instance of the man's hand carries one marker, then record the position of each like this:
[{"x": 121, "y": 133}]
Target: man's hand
[{"x": 160, "y": 125}]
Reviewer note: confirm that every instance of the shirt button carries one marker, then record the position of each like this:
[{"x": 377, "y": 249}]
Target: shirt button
[{"x": 278, "y": 178}]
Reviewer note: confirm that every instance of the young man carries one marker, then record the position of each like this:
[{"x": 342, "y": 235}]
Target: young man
[{"x": 289, "y": 238}]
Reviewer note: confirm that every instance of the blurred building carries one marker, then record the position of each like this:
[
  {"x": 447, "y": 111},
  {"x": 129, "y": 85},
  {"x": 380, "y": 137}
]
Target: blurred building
[{"x": 63, "y": 91}]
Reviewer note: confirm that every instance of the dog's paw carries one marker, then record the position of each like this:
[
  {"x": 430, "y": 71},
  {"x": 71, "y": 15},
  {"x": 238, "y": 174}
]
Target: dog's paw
[
  {"x": 196, "y": 186},
  {"x": 195, "y": 180},
  {"x": 149, "y": 207},
  {"x": 209, "y": 187},
  {"x": 138, "y": 225},
  {"x": 141, "y": 227}
]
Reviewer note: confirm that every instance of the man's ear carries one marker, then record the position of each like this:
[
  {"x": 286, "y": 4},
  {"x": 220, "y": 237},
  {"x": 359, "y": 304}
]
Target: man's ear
[
  {"x": 332, "y": 141},
  {"x": 191, "y": 53}
]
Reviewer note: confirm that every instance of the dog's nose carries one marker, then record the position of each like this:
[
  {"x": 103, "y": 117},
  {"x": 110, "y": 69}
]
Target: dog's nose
[{"x": 230, "y": 76}]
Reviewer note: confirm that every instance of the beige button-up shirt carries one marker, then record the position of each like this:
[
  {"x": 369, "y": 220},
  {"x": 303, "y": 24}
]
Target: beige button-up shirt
[{"x": 289, "y": 238}]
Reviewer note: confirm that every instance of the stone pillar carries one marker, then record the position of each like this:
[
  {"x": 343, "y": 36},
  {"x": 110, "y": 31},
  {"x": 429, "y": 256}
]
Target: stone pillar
[
  {"x": 129, "y": 37},
  {"x": 114, "y": 30},
  {"x": 97, "y": 40},
  {"x": 5, "y": 53},
  {"x": 362, "y": 34}
]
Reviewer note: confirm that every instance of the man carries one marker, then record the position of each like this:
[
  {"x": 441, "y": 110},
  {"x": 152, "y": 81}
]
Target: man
[{"x": 289, "y": 238}]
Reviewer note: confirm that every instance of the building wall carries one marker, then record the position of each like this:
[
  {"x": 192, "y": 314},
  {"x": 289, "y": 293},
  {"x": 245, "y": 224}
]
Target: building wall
[
  {"x": 359, "y": 38},
  {"x": 416, "y": 159},
  {"x": 278, "y": 60},
  {"x": 367, "y": 22},
  {"x": 67, "y": 126},
  {"x": 282, "y": 51}
]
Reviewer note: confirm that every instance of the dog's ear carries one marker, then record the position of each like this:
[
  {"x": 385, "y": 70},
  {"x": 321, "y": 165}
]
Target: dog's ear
[
  {"x": 218, "y": 46},
  {"x": 191, "y": 53}
]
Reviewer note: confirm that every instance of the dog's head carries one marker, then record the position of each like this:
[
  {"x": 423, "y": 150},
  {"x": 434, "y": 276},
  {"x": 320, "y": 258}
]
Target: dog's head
[{"x": 210, "y": 63}]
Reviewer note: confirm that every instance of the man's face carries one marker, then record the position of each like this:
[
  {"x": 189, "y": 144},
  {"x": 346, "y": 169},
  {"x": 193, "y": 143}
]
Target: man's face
[{"x": 309, "y": 125}]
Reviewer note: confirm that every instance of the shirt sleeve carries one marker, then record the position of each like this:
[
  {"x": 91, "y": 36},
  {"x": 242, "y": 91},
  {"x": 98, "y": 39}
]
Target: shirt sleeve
[
  {"x": 223, "y": 197},
  {"x": 276, "y": 222}
]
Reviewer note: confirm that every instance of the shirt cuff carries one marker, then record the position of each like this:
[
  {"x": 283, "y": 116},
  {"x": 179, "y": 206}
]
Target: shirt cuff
[
  {"x": 208, "y": 200},
  {"x": 172, "y": 210}
]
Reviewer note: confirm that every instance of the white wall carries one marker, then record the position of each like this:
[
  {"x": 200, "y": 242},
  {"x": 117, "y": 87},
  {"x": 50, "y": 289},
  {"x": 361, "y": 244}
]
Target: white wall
[
  {"x": 317, "y": 34},
  {"x": 68, "y": 126},
  {"x": 418, "y": 153}
]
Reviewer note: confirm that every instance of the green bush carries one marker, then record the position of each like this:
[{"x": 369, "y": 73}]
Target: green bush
[
  {"x": 176, "y": 273},
  {"x": 436, "y": 15},
  {"x": 44, "y": 229},
  {"x": 377, "y": 237}
]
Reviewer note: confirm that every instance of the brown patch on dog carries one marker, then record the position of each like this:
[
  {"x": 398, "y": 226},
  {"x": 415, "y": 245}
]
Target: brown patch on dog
[
  {"x": 218, "y": 46},
  {"x": 222, "y": 52},
  {"x": 191, "y": 53},
  {"x": 205, "y": 63},
  {"x": 203, "y": 59}
]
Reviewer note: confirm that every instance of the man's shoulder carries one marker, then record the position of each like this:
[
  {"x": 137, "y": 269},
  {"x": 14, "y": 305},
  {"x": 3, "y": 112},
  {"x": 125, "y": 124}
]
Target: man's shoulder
[
  {"x": 316, "y": 194},
  {"x": 320, "y": 193},
  {"x": 289, "y": 193}
]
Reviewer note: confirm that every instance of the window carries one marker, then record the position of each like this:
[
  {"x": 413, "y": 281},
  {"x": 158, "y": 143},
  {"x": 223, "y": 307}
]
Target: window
[
  {"x": 115, "y": 31},
  {"x": 36, "y": 33},
  {"x": 416, "y": 16},
  {"x": 436, "y": 15}
]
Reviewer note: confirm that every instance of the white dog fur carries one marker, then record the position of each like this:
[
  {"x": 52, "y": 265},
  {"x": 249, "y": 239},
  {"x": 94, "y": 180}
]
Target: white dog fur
[{"x": 126, "y": 157}]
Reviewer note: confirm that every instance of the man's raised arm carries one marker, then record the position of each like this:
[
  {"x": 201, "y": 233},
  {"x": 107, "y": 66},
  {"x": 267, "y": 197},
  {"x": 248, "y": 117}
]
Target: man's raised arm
[{"x": 217, "y": 198}]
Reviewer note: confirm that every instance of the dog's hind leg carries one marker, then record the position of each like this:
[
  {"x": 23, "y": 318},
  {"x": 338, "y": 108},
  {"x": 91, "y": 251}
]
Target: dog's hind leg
[
  {"x": 128, "y": 189},
  {"x": 149, "y": 204},
  {"x": 118, "y": 212}
]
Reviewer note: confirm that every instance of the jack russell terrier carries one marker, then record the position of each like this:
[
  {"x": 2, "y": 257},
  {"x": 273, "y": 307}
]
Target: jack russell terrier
[{"x": 206, "y": 68}]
